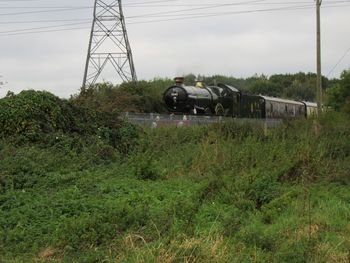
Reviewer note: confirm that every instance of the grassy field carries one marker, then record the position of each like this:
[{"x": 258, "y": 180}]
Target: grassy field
[{"x": 223, "y": 193}]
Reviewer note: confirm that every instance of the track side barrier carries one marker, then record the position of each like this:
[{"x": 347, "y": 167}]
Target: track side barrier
[{"x": 155, "y": 120}]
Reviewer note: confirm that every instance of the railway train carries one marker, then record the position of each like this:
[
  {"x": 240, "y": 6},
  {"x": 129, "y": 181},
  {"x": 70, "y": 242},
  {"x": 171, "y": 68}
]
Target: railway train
[{"x": 225, "y": 100}]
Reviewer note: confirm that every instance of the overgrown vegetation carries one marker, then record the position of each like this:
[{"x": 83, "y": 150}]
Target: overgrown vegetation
[
  {"x": 142, "y": 96},
  {"x": 339, "y": 94},
  {"x": 222, "y": 193},
  {"x": 41, "y": 117},
  {"x": 146, "y": 96}
]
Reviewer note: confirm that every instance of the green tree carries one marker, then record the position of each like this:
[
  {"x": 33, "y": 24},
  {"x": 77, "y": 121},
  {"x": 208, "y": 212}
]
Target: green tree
[
  {"x": 339, "y": 94},
  {"x": 263, "y": 86},
  {"x": 141, "y": 96}
]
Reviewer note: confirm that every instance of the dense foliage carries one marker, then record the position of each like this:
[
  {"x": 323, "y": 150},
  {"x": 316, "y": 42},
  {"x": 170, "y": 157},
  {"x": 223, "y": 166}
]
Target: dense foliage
[
  {"x": 146, "y": 96},
  {"x": 34, "y": 112},
  {"x": 142, "y": 96},
  {"x": 77, "y": 184},
  {"x": 339, "y": 94},
  {"x": 222, "y": 193},
  {"x": 41, "y": 117}
]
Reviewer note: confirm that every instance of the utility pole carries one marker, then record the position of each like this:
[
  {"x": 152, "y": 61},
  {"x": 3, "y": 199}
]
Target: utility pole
[
  {"x": 318, "y": 44},
  {"x": 108, "y": 43}
]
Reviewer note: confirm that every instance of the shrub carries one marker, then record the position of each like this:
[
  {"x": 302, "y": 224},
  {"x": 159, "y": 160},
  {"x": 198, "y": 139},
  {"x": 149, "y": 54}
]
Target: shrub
[{"x": 34, "y": 112}]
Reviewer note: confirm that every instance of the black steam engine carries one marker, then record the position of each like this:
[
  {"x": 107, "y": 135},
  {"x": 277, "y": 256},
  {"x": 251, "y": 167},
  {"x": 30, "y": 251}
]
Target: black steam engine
[{"x": 225, "y": 100}]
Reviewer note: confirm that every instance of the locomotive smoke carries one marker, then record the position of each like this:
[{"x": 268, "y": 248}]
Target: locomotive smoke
[
  {"x": 186, "y": 70},
  {"x": 180, "y": 73}
]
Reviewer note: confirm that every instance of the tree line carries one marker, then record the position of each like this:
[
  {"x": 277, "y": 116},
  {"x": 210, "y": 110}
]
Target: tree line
[{"x": 146, "y": 96}]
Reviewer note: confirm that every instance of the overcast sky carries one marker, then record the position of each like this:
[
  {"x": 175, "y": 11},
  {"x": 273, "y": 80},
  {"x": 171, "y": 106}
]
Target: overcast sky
[{"x": 238, "y": 39}]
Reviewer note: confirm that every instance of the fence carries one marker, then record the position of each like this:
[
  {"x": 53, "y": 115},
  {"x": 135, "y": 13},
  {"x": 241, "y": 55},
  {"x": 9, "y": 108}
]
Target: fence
[{"x": 155, "y": 120}]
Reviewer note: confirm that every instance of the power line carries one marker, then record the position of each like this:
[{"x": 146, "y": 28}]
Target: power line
[
  {"x": 223, "y": 5},
  {"x": 45, "y": 7},
  {"x": 45, "y": 11},
  {"x": 339, "y": 61},
  {"x": 196, "y": 15},
  {"x": 152, "y": 14},
  {"x": 177, "y": 17},
  {"x": 43, "y": 27},
  {"x": 145, "y": 4},
  {"x": 208, "y": 4},
  {"x": 180, "y": 16},
  {"x": 43, "y": 21},
  {"x": 195, "y": 9},
  {"x": 45, "y": 31},
  {"x": 150, "y": 4},
  {"x": 153, "y": 2}
]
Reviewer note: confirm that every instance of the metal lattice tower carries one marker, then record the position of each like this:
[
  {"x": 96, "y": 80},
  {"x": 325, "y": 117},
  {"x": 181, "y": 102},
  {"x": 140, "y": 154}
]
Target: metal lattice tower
[{"x": 108, "y": 43}]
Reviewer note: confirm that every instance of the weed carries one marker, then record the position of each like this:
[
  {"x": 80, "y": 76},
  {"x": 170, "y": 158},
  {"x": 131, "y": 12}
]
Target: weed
[{"x": 224, "y": 193}]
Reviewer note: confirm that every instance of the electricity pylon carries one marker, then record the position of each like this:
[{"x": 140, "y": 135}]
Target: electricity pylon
[{"x": 108, "y": 44}]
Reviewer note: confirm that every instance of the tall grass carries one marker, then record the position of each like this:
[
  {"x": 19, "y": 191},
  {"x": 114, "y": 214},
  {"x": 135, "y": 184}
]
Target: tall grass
[{"x": 227, "y": 193}]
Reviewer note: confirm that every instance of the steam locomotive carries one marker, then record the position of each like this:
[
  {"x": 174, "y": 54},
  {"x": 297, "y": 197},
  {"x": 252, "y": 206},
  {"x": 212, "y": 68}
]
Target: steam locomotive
[{"x": 225, "y": 100}]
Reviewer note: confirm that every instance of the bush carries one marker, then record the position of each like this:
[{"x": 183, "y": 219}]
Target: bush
[
  {"x": 223, "y": 193},
  {"x": 34, "y": 112},
  {"x": 141, "y": 96}
]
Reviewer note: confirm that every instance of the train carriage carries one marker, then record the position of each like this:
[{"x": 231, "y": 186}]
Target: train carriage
[
  {"x": 311, "y": 109},
  {"x": 281, "y": 108},
  {"x": 225, "y": 100},
  {"x": 251, "y": 106}
]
